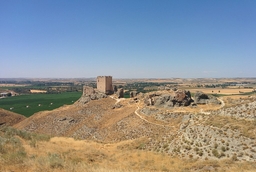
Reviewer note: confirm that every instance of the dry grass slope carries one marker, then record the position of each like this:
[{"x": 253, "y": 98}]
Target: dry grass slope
[
  {"x": 23, "y": 151},
  {"x": 10, "y": 118}
]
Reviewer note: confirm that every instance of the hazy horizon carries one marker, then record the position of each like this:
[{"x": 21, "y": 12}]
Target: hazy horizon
[{"x": 128, "y": 39}]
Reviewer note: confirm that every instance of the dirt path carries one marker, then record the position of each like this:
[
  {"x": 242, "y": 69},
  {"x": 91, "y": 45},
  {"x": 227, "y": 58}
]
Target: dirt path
[
  {"x": 136, "y": 112},
  {"x": 117, "y": 100},
  {"x": 222, "y": 102}
]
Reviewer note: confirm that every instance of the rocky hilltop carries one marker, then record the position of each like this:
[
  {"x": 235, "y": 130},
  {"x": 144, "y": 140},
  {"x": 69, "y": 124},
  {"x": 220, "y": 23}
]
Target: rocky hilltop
[{"x": 177, "y": 98}]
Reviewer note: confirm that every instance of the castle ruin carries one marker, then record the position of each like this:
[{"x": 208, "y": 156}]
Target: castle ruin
[{"x": 104, "y": 84}]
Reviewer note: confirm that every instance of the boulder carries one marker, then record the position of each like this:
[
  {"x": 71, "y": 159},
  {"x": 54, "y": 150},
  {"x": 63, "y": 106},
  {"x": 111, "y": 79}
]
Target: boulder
[
  {"x": 148, "y": 101},
  {"x": 180, "y": 95},
  {"x": 160, "y": 100},
  {"x": 168, "y": 104},
  {"x": 116, "y": 106},
  {"x": 133, "y": 94},
  {"x": 202, "y": 98},
  {"x": 182, "y": 98}
]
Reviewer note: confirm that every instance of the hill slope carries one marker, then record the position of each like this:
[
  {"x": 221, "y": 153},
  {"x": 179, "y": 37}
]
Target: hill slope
[
  {"x": 10, "y": 118},
  {"x": 23, "y": 151}
]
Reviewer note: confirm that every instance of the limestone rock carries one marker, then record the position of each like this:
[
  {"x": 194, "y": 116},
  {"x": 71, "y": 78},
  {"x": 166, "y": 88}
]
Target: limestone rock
[
  {"x": 179, "y": 98},
  {"x": 116, "y": 106},
  {"x": 88, "y": 91},
  {"x": 202, "y": 98},
  {"x": 162, "y": 99},
  {"x": 90, "y": 94},
  {"x": 182, "y": 98}
]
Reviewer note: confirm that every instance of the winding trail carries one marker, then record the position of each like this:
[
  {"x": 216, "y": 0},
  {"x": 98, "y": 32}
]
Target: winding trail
[
  {"x": 137, "y": 113},
  {"x": 117, "y": 100}
]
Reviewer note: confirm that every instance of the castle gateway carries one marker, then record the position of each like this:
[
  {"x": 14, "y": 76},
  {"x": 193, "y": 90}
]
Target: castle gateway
[{"x": 104, "y": 84}]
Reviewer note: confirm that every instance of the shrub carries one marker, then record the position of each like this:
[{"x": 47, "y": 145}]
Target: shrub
[
  {"x": 196, "y": 149},
  {"x": 234, "y": 157},
  {"x": 200, "y": 153},
  {"x": 215, "y": 145},
  {"x": 165, "y": 146},
  {"x": 10, "y": 132},
  {"x": 216, "y": 153},
  {"x": 55, "y": 161}
]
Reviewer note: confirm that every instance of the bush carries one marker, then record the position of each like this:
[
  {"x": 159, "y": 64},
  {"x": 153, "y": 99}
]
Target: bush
[
  {"x": 216, "y": 153},
  {"x": 234, "y": 157},
  {"x": 10, "y": 132},
  {"x": 215, "y": 145},
  {"x": 200, "y": 153},
  {"x": 11, "y": 150},
  {"x": 55, "y": 161}
]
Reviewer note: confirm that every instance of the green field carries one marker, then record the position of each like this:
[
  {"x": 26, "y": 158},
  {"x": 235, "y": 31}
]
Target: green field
[{"x": 29, "y": 104}]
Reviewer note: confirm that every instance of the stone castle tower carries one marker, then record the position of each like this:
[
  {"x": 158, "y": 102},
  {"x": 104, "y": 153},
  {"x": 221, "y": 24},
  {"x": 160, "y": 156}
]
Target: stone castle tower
[{"x": 104, "y": 84}]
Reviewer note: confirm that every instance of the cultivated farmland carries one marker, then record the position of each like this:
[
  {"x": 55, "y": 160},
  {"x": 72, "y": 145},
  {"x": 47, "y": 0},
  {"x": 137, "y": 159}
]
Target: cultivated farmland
[{"x": 27, "y": 105}]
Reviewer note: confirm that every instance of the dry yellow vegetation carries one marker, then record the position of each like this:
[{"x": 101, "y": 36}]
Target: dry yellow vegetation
[
  {"x": 32, "y": 153},
  {"x": 227, "y": 91}
]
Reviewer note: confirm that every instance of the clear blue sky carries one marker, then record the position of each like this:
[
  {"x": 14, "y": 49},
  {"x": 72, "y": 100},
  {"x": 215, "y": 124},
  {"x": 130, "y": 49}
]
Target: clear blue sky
[{"x": 127, "y": 38}]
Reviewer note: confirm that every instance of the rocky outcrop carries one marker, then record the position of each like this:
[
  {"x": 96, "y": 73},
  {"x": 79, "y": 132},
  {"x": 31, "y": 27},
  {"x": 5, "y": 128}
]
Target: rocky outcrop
[
  {"x": 133, "y": 94},
  {"x": 88, "y": 91},
  {"x": 179, "y": 98},
  {"x": 182, "y": 98},
  {"x": 89, "y": 94},
  {"x": 116, "y": 106},
  {"x": 202, "y": 98},
  {"x": 148, "y": 111},
  {"x": 120, "y": 93},
  {"x": 163, "y": 100}
]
